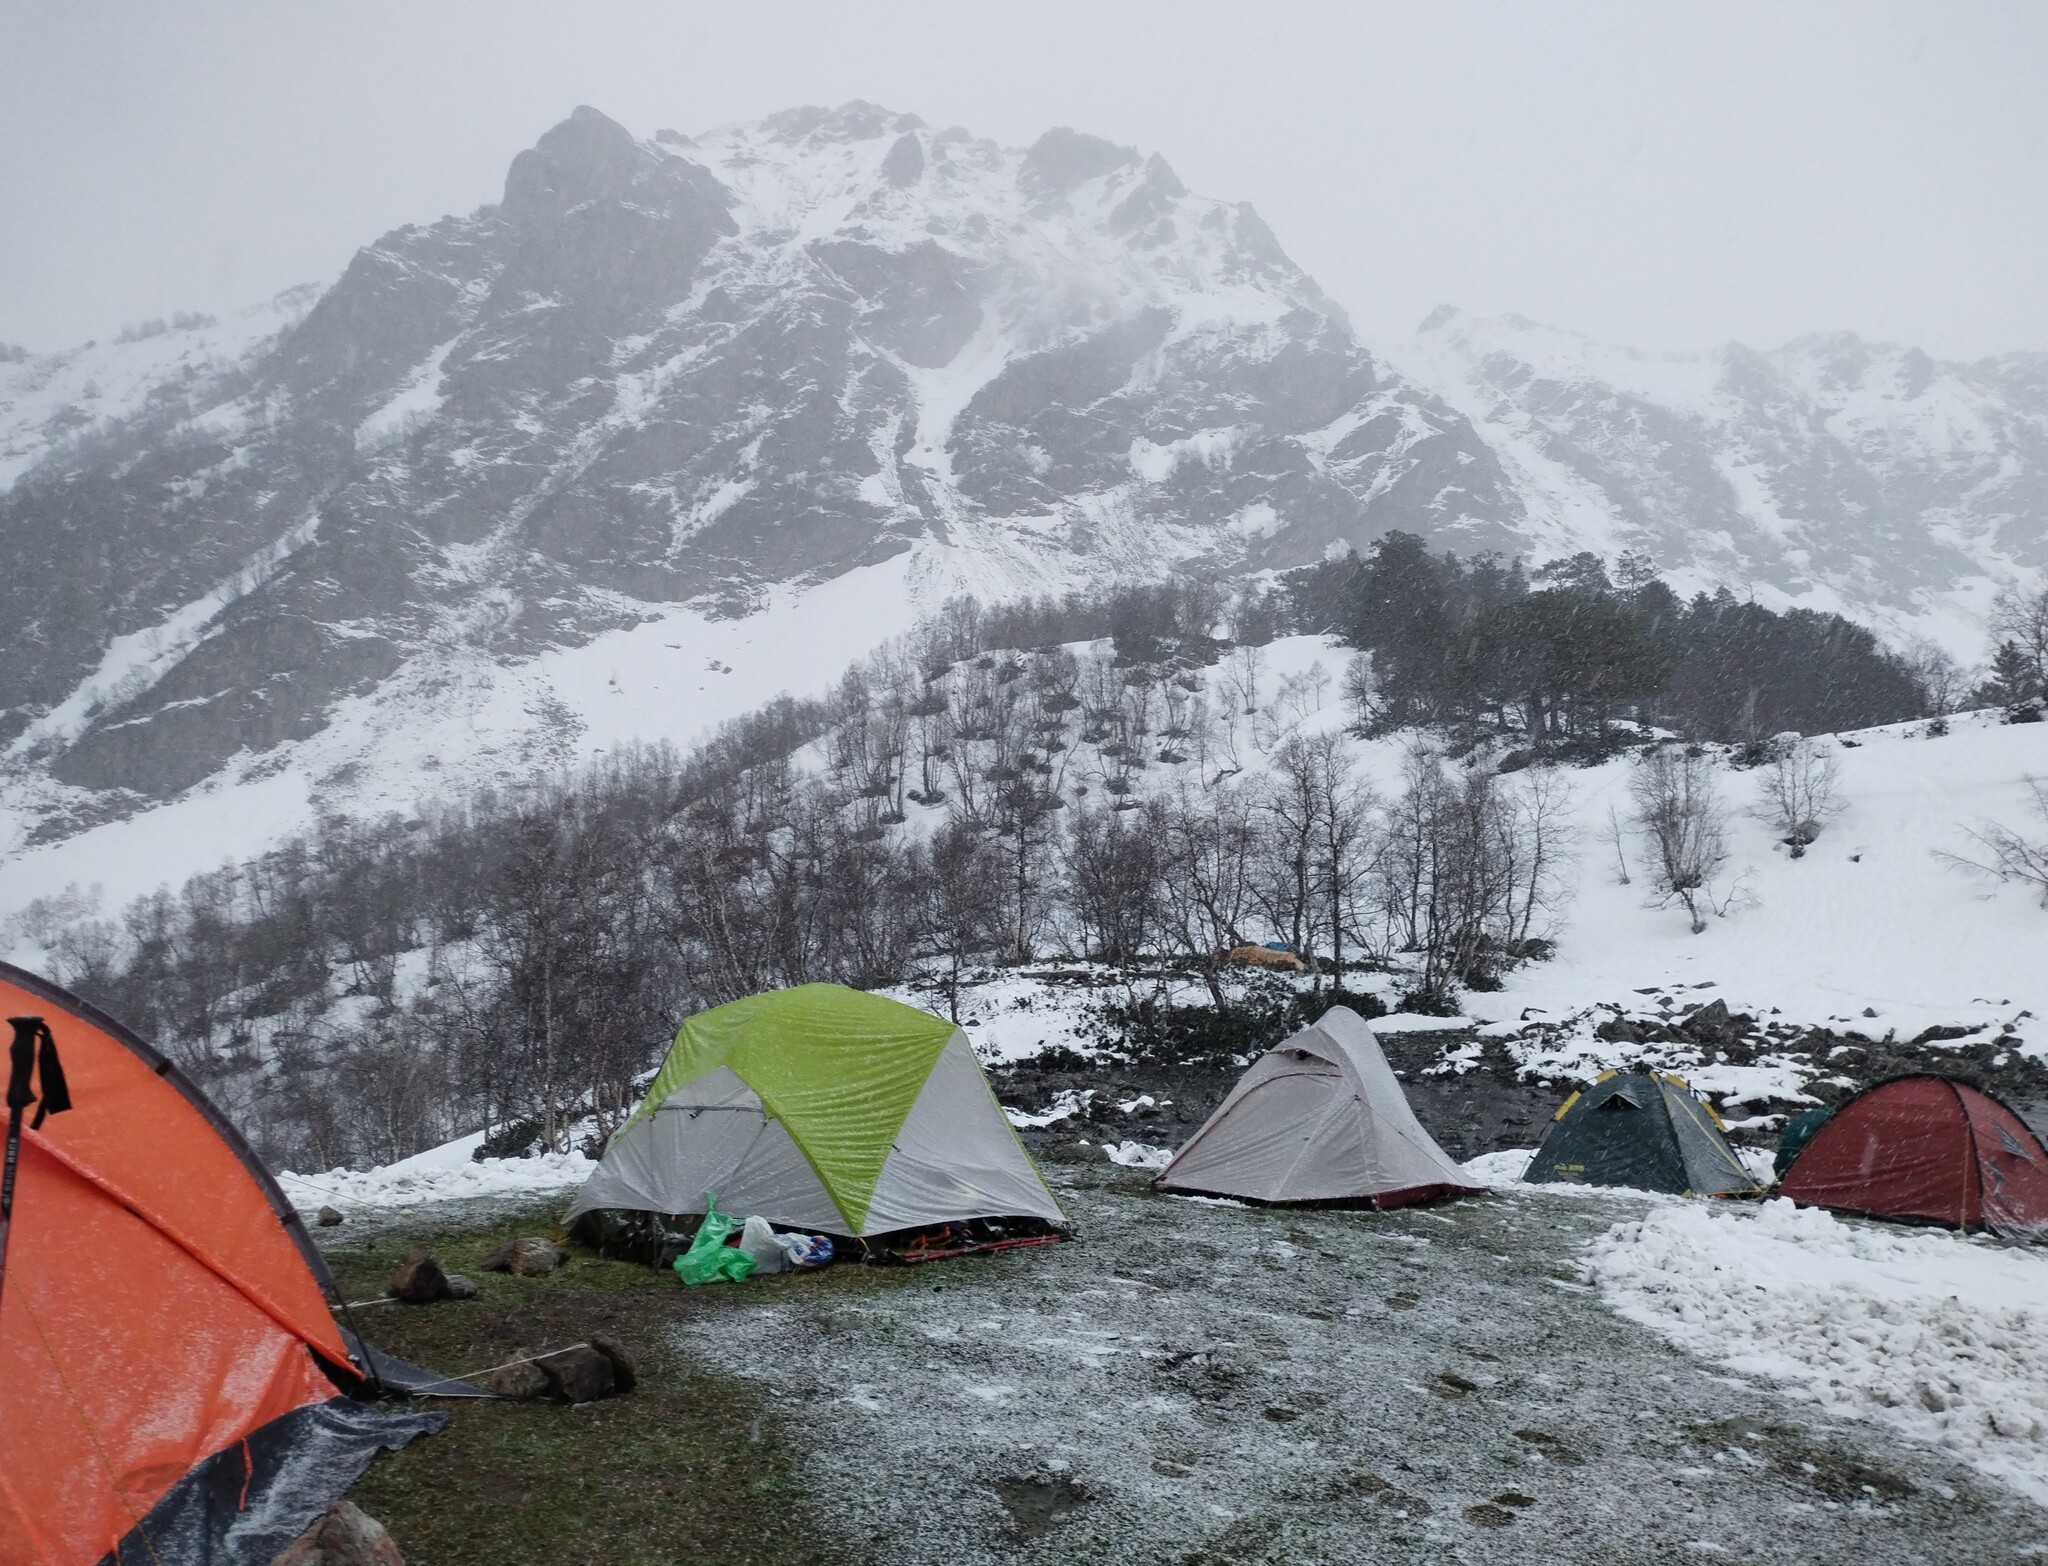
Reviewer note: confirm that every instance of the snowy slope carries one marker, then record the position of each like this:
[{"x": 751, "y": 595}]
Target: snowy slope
[
  {"x": 1871, "y": 919},
  {"x": 1832, "y": 473},
  {"x": 53, "y": 404}
]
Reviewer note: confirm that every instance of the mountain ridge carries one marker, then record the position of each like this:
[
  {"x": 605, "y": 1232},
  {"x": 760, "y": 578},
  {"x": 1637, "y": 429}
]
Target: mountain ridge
[{"x": 678, "y": 383}]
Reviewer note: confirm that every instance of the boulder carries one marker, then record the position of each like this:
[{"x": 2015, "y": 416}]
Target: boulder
[
  {"x": 330, "y": 1216},
  {"x": 579, "y": 1375},
  {"x": 419, "y": 1280},
  {"x": 522, "y": 1383},
  {"x": 625, "y": 1374},
  {"x": 461, "y": 1288},
  {"x": 343, "y": 1535},
  {"x": 528, "y": 1258}
]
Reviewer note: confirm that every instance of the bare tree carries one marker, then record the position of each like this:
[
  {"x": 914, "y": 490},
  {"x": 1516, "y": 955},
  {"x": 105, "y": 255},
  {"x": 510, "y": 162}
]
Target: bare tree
[
  {"x": 960, "y": 908},
  {"x": 1799, "y": 792},
  {"x": 1681, "y": 818},
  {"x": 1946, "y": 683},
  {"x": 2022, "y": 619},
  {"x": 1620, "y": 855},
  {"x": 1534, "y": 833},
  {"x": 2010, "y": 856}
]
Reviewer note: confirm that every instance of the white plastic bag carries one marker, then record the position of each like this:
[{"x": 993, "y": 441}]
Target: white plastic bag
[{"x": 759, "y": 1242}]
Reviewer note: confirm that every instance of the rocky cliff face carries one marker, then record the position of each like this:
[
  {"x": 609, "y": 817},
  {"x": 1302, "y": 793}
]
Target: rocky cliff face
[{"x": 681, "y": 372}]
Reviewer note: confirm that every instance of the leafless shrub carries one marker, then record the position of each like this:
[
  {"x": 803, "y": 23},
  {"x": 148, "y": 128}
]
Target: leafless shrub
[
  {"x": 2007, "y": 854},
  {"x": 1800, "y": 790},
  {"x": 1681, "y": 818}
]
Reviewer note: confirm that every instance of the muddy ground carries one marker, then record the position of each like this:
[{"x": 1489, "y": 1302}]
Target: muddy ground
[{"x": 1192, "y": 1382}]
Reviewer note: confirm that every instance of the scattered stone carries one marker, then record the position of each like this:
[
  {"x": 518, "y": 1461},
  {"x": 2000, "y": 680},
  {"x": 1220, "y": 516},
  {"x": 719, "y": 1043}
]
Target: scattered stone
[
  {"x": 1170, "y": 1470},
  {"x": 461, "y": 1288},
  {"x": 330, "y": 1216},
  {"x": 531, "y": 1257},
  {"x": 1869, "y": 1011},
  {"x": 1450, "y": 1384},
  {"x": 1404, "y": 1300},
  {"x": 578, "y": 1375},
  {"x": 343, "y": 1535},
  {"x": 522, "y": 1383},
  {"x": 1514, "y": 1498},
  {"x": 1487, "y": 1515},
  {"x": 1550, "y": 1447},
  {"x": 419, "y": 1280},
  {"x": 625, "y": 1374},
  {"x": 1036, "y": 1504},
  {"x": 1281, "y": 1414}
]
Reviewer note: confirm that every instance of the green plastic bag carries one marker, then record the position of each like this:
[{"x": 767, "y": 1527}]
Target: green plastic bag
[{"x": 709, "y": 1259}]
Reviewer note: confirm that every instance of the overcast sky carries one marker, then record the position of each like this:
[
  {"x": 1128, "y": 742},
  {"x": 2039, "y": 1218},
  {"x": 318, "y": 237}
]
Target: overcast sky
[{"x": 1657, "y": 174}]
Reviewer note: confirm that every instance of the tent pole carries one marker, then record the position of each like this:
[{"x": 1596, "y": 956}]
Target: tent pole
[{"x": 20, "y": 1094}]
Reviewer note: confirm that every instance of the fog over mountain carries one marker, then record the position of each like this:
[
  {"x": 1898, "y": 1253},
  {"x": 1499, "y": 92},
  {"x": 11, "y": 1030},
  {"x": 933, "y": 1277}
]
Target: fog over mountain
[{"x": 518, "y": 478}]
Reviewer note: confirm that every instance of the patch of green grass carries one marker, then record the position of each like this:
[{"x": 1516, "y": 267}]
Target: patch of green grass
[{"x": 691, "y": 1466}]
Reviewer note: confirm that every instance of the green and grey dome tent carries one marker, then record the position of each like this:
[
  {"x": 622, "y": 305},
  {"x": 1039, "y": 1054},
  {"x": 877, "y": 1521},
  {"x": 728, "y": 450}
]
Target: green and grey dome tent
[
  {"x": 1642, "y": 1129},
  {"x": 821, "y": 1108}
]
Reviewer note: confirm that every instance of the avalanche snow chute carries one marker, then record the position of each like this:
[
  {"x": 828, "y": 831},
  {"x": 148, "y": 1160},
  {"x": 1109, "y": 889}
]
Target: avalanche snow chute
[
  {"x": 821, "y": 1108},
  {"x": 1927, "y": 1149},
  {"x": 170, "y": 1374},
  {"x": 1640, "y": 1129},
  {"x": 1319, "y": 1118}
]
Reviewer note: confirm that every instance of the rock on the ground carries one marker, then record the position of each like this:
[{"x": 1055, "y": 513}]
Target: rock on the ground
[
  {"x": 330, "y": 1216},
  {"x": 522, "y": 1382},
  {"x": 461, "y": 1288},
  {"x": 343, "y": 1535},
  {"x": 579, "y": 1375},
  {"x": 531, "y": 1257},
  {"x": 419, "y": 1280},
  {"x": 625, "y": 1374}
]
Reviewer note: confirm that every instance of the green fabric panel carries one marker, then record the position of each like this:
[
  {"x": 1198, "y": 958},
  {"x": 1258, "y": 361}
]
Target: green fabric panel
[{"x": 839, "y": 1068}]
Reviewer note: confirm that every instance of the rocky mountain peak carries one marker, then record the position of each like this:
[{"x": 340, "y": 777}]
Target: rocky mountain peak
[{"x": 1063, "y": 159}]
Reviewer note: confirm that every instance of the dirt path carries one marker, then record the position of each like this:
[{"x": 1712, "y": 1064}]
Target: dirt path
[{"x": 1208, "y": 1383}]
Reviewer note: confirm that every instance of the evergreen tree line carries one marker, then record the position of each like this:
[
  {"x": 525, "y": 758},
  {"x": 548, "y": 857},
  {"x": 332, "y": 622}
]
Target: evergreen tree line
[{"x": 1558, "y": 655}]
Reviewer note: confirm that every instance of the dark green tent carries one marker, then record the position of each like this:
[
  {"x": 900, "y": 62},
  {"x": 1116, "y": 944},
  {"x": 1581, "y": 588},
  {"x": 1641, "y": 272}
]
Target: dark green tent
[{"x": 1641, "y": 1129}]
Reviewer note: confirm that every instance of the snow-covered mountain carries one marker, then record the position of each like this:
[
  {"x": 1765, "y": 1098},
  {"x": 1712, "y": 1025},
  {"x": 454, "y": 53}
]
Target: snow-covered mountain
[
  {"x": 684, "y": 422},
  {"x": 1839, "y": 474},
  {"x": 670, "y": 377}
]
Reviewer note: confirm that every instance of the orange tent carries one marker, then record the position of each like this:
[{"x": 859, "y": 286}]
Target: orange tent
[{"x": 170, "y": 1374}]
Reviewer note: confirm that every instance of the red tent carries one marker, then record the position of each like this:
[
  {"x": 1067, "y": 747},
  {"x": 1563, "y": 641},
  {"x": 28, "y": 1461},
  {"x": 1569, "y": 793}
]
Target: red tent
[
  {"x": 171, "y": 1378},
  {"x": 1927, "y": 1148}
]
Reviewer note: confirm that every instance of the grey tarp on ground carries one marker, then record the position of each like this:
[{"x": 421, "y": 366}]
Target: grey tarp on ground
[
  {"x": 1319, "y": 1118},
  {"x": 954, "y": 1158},
  {"x": 245, "y": 1503}
]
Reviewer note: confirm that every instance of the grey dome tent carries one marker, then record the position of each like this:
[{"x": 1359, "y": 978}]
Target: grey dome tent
[
  {"x": 1320, "y": 1118},
  {"x": 1642, "y": 1129}
]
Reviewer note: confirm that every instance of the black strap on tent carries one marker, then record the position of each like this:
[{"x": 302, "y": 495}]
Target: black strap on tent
[{"x": 32, "y": 1056}]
